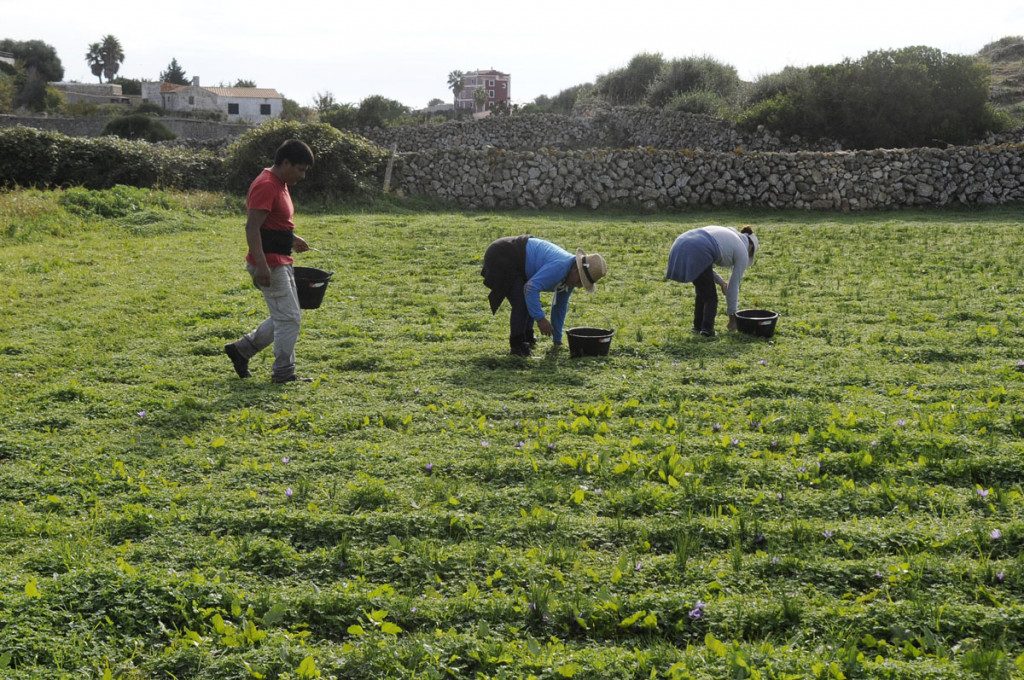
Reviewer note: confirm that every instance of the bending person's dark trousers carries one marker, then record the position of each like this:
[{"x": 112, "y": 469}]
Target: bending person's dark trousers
[
  {"x": 504, "y": 272},
  {"x": 705, "y": 307}
]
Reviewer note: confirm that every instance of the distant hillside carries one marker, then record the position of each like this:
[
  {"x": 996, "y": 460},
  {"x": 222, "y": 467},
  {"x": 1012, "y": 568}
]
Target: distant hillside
[{"x": 1006, "y": 56}]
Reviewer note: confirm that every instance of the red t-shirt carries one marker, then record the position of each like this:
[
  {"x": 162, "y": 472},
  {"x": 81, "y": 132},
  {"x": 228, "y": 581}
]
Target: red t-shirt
[{"x": 268, "y": 192}]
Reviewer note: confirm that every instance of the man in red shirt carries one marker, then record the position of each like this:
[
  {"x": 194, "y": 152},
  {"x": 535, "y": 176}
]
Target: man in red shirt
[{"x": 270, "y": 235}]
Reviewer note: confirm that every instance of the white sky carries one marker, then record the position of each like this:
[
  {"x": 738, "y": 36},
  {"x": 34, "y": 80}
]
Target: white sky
[{"x": 404, "y": 49}]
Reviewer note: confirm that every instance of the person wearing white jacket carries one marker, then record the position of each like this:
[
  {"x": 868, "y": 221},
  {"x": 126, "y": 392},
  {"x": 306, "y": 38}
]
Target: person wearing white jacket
[{"x": 692, "y": 259}]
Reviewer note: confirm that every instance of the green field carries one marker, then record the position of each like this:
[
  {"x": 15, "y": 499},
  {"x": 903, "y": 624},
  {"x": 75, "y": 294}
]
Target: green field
[{"x": 846, "y": 501}]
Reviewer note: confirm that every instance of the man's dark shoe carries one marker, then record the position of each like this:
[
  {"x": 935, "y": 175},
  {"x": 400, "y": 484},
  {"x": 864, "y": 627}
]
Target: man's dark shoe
[
  {"x": 707, "y": 334},
  {"x": 291, "y": 378},
  {"x": 521, "y": 350},
  {"x": 240, "y": 363}
]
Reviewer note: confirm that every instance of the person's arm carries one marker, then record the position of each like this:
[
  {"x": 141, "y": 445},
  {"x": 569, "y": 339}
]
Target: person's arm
[
  {"x": 559, "y": 306},
  {"x": 253, "y": 222},
  {"x": 732, "y": 295},
  {"x": 720, "y": 281},
  {"x": 546, "y": 278}
]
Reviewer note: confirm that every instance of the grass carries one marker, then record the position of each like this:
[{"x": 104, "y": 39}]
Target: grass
[{"x": 844, "y": 501}]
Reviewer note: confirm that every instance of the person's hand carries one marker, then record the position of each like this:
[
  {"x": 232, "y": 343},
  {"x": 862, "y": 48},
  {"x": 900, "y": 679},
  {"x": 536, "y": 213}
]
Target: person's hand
[
  {"x": 261, "y": 277},
  {"x": 732, "y": 322},
  {"x": 545, "y": 327},
  {"x": 724, "y": 285},
  {"x": 300, "y": 245}
]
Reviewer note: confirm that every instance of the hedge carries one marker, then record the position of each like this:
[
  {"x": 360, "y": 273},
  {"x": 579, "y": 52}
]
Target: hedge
[{"x": 39, "y": 158}]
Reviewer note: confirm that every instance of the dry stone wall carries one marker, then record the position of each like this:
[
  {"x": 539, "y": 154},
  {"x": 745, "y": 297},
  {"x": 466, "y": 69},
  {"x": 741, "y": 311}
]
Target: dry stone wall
[
  {"x": 612, "y": 128},
  {"x": 653, "y": 180}
]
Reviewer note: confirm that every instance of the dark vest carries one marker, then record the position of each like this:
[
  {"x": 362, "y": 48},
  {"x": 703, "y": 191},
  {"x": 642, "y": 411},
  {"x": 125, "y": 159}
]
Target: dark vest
[{"x": 504, "y": 263}]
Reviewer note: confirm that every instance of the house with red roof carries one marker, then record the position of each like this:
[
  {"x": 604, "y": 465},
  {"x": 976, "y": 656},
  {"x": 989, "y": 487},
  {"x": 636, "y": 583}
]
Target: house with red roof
[{"x": 248, "y": 104}]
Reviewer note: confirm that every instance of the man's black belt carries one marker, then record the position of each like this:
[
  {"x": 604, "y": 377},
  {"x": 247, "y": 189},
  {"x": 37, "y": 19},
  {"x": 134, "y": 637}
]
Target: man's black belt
[{"x": 280, "y": 241}]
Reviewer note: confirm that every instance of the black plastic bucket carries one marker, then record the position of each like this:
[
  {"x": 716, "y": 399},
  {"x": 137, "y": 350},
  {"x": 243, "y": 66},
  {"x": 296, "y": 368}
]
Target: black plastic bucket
[
  {"x": 589, "y": 342},
  {"x": 759, "y": 322},
  {"x": 311, "y": 284}
]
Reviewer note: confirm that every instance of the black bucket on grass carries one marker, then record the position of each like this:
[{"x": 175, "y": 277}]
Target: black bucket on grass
[
  {"x": 758, "y": 322},
  {"x": 311, "y": 284},
  {"x": 589, "y": 342}
]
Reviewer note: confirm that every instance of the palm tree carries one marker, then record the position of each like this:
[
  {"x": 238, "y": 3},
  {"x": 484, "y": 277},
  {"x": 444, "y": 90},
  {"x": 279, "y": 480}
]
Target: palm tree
[
  {"x": 94, "y": 57},
  {"x": 455, "y": 82},
  {"x": 113, "y": 55}
]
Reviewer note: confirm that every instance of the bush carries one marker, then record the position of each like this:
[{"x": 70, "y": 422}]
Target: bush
[
  {"x": 693, "y": 74},
  {"x": 150, "y": 107},
  {"x": 698, "y": 101},
  {"x": 138, "y": 126},
  {"x": 30, "y": 157},
  {"x": 917, "y": 96},
  {"x": 345, "y": 162},
  {"x": 629, "y": 86}
]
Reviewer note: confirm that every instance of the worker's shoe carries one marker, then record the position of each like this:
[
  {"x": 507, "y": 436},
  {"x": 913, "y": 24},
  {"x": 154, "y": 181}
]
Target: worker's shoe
[{"x": 240, "y": 363}]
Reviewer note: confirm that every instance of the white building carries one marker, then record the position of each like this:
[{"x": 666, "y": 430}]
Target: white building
[
  {"x": 7, "y": 58},
  {"x": 250, "y": 104}
]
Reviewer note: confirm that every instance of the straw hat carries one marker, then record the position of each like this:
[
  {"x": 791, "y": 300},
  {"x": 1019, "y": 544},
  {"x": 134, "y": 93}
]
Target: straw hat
[{"x": 591, "y": 268}]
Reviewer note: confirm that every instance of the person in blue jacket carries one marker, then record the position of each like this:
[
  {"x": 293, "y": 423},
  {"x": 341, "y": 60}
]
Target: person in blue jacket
[{"x": 518, "y": 268}]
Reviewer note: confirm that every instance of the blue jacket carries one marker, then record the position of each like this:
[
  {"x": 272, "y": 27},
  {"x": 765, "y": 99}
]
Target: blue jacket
[{"x": 547, "y": 265}]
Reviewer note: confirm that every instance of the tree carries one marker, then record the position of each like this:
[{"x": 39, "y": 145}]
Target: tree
[
  {"x": 435, "y": 102},
  {"x": 174, "y": 74},
  {"x": 629, "y": 86},
  {"x": 94, "y": 57},
  {"x": 378, "y": 111},
  {"x": 36, "y": 64},
  {"x": 128, "y": 85},
  {"x": 479, "y": 98},
  {"x": 455, "y": 83},
  {"x": 292, "y": 110},
  {"x": 113, "y": 56},
  {"x": 244, "y": 83},
  {"x": 37, "y": 55},
  {"x": 324, "y": 101}
]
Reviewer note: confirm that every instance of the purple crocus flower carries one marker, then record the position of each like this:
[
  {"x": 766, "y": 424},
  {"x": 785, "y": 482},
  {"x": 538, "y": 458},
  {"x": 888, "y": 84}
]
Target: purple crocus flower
[
  {"x": 429, "y": 468},
  {"x": 1020, "y": 364},
  {"x": 288, "y": 492},
  {"x": 995, "y": 534},
  {"x": 141, "y": 414},
  {"x": 762, "y": 362},
  {"x": 734, "y": 442},
  {"x": 983, "y": 493},
  {"x": 520, "y": 444},
  {"x": 717, "y": 427},
  {"x": 902, "y": 422},
  {"x": 1000, "y": 576},
  {"x": 286, "y": 460},
  {"x": 484, "y": 443},
  {"x": 698, "y": 611},
  {"x": 828, "y": 533}
]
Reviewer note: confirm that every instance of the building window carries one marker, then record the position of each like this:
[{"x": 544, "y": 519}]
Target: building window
[
  {"x": 232, "y": 109},
  {"x": 191, "y": 101},
  {"x": 490, "y": 93},
  {"x": 502, "y": 85},
  {"x": 490, "y": 83},
  {"x": 264, "y": 109}
]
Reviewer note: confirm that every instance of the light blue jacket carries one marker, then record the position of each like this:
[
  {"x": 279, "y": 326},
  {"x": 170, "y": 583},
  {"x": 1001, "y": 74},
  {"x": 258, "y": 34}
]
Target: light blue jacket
[{"x": 547, "y": 265}]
